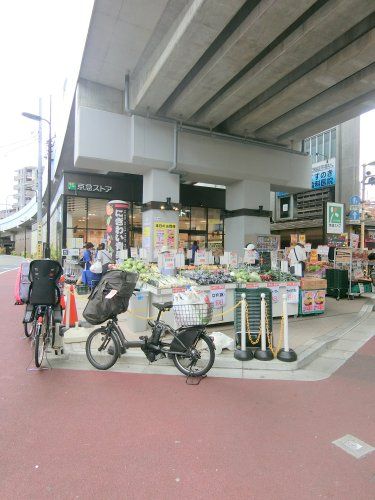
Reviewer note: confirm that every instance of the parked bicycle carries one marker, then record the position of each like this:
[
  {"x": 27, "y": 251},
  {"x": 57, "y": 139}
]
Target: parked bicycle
[
  {"x": 43, "y": 309},
  {"x": 190, "y": 348}
]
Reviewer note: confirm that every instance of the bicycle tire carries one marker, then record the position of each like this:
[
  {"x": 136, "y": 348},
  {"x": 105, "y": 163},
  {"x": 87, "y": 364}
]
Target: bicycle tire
[
  {"x": 98, "y": 359},
  {"x": 39, "y": 346},
  {"x": 189, "y": 371},
  {"x": 29, "y": 329}
]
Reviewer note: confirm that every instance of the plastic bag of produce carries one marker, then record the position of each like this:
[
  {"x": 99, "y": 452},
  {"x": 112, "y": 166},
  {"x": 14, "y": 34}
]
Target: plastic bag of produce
[{"x": 192, "y": 307}]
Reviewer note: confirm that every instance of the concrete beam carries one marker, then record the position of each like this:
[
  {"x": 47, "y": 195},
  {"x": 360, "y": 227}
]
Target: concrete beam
[
  {"x": 254, "y": 34},
  {"x": 345, "y": 63},
  {"x": 196, "y": 29},
  {"x": 314, "y": 35},
  {"x": 356, "y": 85},
  {"x": 343, "y": 113}
]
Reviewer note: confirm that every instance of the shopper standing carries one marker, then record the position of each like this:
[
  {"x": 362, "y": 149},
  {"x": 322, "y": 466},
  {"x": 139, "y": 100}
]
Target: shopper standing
[
  {"x": 194, "y": 249},
  {"x": 87, "y": 255},
  {"x": 297, "y": 255}
]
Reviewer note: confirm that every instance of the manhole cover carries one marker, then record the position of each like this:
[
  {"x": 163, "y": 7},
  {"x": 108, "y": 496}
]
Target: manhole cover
[{"x": 353, "y": 446}]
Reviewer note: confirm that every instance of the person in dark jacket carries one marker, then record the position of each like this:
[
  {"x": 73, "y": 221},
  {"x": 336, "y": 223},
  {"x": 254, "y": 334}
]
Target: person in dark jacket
[{"x": 194, "y": 248}]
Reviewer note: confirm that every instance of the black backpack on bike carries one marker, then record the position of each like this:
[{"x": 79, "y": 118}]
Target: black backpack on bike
[{"x": 104, "y": 303}]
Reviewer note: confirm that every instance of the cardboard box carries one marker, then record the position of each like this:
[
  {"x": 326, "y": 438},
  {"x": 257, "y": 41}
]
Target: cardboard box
[{"x": 313, "y": 284}]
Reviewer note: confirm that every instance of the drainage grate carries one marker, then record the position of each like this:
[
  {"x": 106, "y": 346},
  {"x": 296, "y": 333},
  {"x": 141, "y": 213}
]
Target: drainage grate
[{"x": 353, "y": 446}]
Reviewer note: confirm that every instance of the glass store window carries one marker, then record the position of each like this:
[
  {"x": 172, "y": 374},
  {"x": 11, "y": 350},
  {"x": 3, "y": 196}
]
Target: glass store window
[
  {"x": 198, "y": 219},
  {"x": 215, "y": 229},
  {"x": 135, "y": 221}
]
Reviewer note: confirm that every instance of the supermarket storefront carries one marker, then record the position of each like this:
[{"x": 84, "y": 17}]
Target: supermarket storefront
[{"x": 78, "y": 211}]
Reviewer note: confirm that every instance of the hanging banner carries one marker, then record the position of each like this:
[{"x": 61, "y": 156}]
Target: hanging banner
[
  {"x": 354, "y": 240},
  {"x": 117, "y": 228}
]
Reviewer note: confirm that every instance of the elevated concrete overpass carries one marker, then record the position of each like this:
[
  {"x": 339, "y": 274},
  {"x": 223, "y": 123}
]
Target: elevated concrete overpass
[{"x": 277, "y": 70}]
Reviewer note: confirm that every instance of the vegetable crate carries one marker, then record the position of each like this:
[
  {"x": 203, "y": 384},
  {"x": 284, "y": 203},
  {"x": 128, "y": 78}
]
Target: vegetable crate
[{"x": 253, "y": 300}]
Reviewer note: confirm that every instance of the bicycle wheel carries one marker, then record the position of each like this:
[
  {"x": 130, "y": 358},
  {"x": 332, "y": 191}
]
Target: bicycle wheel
[
  {"x": 198, "y": 359},
  {"x": 29, "y": 329},
  {"x": 102, "y": 349},
  {"x": 40, "y": 345}
]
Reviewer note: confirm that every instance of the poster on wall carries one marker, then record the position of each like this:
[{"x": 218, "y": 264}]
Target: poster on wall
[
  {"x": 164, "y": 236},
  {"x": 334, "y": 218},
  {"x": 117, "y": 228},
  {"x": 267, "y": 242},
  {"x": 313, "y": 300}
]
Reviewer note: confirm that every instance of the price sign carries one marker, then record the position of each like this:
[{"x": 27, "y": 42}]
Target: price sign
[
  {"x": 200, "y": 257},
  {"x": 233, "y": 259},
  {"x": 275, "y": 290},
  {"x": 168, "y": 261},
  {"x": 217, "y": 296},
  {"x": 292, "y": 293}
]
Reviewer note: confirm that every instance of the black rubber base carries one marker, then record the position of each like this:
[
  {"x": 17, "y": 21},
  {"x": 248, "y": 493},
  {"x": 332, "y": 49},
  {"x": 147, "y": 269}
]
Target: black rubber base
[
  {"x": 243, "y": 355},
  {"x": 263, "y": 355},
  {"x": 287, "y": 356}
]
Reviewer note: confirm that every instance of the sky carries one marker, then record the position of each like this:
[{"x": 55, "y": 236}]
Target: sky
[{"x": 40, "y": 44}]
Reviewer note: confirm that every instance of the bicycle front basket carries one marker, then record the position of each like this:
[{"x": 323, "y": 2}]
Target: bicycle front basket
[{"x": 192, "y": 314}]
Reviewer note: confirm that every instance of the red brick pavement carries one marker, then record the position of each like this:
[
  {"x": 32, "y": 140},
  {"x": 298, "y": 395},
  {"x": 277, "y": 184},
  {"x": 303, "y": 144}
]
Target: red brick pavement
[{"x": 93, "y": 435}]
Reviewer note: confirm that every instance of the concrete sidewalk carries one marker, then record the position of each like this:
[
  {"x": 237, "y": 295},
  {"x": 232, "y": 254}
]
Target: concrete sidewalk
[{"x": 322, "y": 344}]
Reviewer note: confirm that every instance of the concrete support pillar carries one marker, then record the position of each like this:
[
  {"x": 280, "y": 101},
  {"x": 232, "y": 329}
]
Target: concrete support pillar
[
  {"x": 159, "y": 220},
  {"x": 248, "y": 213}
]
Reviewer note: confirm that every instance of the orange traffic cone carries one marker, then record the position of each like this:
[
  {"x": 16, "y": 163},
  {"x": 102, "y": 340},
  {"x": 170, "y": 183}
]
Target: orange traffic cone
[{"x": 70, "y": 313}]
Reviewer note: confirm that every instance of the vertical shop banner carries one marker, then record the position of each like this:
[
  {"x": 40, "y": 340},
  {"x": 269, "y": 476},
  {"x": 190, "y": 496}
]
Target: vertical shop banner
[
  {"x": 117, "y": 228},
  {"x": 334, "y": 218},
  {"x": 164, "y": 235},
  {"x": 354, "y": 240}
]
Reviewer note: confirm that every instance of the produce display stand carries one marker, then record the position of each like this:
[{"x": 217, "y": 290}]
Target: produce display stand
[
  {"x": 312, "y": 296},
  {"x": 355, "y": 262},
  {"x": 166, "y": 294}
]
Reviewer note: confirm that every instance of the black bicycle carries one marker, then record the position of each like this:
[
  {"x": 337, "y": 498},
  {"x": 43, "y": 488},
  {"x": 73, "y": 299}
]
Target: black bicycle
[
  {"x": 44, "y": 330},
  {"x": 190, "y": 348}
]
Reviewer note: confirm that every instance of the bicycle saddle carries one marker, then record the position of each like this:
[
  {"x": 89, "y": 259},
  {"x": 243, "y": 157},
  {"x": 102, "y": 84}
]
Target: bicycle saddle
[{"x": 165, "y": 306}]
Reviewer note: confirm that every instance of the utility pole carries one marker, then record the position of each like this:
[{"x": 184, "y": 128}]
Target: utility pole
[{"x": 40, "y": 185}]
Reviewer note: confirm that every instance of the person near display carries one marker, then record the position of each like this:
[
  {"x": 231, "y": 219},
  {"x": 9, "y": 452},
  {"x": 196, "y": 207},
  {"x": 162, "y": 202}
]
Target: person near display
[
  {"x": 252, "y": 253},
  {"x": 103, "y": 255},
  {"x": 87, "y": 255},
  {"x": 194, "y": 249},
  {"x": 297, "y": 255}
]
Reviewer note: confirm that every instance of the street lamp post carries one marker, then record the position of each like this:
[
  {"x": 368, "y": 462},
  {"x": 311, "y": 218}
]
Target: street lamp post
[
  {"x": 371, "y": 177},
  {"x": 47, "y": 249}
]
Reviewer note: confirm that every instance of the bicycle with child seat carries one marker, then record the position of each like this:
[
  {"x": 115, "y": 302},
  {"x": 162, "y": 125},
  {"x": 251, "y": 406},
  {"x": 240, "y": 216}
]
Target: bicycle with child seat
[{"x": 191, "y": 349}]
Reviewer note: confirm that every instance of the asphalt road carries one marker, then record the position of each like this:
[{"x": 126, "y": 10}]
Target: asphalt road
[
  {"x": 68, "y": 434},
  {"x": 8, "y": 262}
]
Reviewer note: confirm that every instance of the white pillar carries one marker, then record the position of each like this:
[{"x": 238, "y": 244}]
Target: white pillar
[
  {"x": 160, "y": 224},
  {"x": 248, "y": 203}
]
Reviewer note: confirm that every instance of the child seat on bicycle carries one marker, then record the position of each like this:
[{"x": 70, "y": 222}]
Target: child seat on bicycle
[{"x": 44, "y": 276}]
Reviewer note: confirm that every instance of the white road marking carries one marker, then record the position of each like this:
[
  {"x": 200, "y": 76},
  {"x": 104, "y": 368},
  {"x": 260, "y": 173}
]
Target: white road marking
[{"x": 7, "y": 271}]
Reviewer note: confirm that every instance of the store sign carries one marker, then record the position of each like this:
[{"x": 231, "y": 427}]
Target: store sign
[
  {"x": 117, "y": 228},
  {"x": 217, "y": 296},
  {"x": 323, "y": 174},
  {"x": 335, "y": 215},
  {"x": 168, "y": 260},
  {"x": 79, "y": 186}
]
